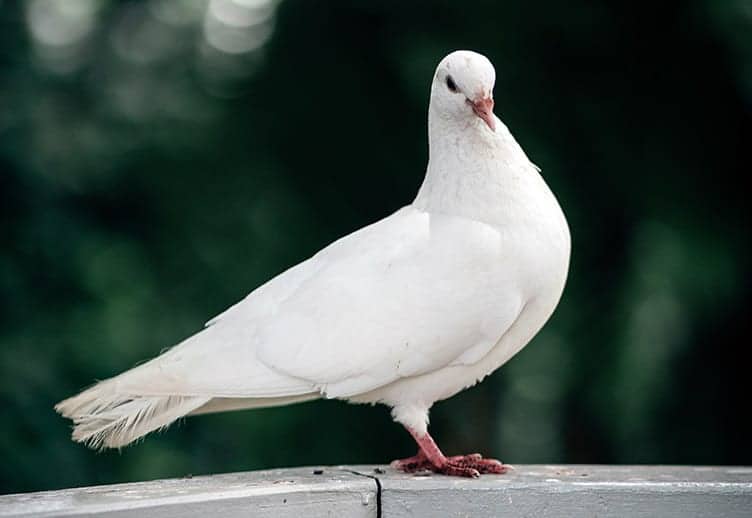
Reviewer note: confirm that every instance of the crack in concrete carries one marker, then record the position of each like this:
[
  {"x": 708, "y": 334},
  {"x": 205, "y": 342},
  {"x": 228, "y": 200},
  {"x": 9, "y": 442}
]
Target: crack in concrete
[{"x": 378, "y": 488}]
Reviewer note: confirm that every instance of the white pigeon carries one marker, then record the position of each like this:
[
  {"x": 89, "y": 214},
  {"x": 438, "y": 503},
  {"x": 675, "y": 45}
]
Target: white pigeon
[{"x": 407, "y": 311}]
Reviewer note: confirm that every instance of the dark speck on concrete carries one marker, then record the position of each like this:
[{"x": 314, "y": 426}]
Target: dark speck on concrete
[{"x": 318, "y": 471}]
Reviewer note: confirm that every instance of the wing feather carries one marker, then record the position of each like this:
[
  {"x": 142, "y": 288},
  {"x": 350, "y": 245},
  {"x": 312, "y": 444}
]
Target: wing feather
[{"x": 408, "y": 295}]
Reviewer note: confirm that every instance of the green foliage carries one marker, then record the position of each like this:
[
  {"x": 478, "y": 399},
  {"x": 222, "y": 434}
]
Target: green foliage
[{"x": 156, "y": 164}]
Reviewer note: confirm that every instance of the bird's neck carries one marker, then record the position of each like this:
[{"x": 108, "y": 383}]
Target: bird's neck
[{"x": 474, "y": 172}]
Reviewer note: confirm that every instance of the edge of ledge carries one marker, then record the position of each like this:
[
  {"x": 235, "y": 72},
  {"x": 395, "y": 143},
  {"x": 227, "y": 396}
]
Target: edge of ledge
[{"x": 369, "y": 491}]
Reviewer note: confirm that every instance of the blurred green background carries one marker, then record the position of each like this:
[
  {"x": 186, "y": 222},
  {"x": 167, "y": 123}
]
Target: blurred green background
[{"x": 159, "y": 159}]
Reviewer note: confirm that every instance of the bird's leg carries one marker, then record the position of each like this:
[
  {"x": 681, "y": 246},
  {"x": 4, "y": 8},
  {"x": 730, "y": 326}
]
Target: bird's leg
[{"x": 430, "y": 457}]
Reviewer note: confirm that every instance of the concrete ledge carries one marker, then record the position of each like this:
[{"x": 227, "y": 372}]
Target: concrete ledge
[{"x": 372, "y": 491}]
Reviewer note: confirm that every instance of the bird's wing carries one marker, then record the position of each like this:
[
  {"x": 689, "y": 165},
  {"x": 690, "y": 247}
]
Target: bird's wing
[{"x": 408, "y": 295}]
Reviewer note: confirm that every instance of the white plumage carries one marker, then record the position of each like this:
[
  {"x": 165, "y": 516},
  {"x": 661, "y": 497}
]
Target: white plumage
[{"x": 407, "y": 311}]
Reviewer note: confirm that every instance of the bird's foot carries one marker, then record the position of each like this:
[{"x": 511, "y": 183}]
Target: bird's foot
[
  {"x": 457, "y": 466},
  {"x": 413, "y": 464},
  {"x": 471, "y": 466}
]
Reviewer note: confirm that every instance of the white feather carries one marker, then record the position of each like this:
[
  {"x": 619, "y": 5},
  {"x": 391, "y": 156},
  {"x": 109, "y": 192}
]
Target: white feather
[
  {"x": 105, "y": 419},
  {"x": 406, "y": 312}
]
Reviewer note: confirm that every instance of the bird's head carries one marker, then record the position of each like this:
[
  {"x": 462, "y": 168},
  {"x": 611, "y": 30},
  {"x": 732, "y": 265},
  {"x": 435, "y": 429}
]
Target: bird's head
[{"x": 462, "y": 88}]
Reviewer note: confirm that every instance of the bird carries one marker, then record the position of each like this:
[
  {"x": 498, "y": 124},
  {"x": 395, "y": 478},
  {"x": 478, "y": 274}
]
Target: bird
[{"x": 404, "y": 312}]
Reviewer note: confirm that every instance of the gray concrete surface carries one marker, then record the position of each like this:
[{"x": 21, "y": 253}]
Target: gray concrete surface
[{"x": 363, "y": 491}]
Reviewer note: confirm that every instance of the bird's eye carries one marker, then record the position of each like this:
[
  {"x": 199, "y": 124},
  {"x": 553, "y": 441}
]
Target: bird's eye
[{"x": 451, "y": 84}]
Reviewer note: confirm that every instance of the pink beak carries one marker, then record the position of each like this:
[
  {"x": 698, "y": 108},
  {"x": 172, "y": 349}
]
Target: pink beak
[{"x": 483, "y": 108}]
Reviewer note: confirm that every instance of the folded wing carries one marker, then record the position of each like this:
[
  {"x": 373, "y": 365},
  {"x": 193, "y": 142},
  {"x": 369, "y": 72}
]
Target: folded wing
[{"x": 408, "y": 295}]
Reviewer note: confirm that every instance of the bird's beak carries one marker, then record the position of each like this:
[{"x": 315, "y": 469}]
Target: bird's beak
[{"x": 483, "y": 108}]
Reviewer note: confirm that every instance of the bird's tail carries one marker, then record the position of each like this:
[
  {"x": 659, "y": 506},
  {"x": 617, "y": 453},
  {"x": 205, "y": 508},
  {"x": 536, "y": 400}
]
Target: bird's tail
[{"x": 105, "y": 418}]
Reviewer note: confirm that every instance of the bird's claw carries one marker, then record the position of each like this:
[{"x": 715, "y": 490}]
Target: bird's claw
[
  {"x": 414, "y": 464},
  {"x": 471, "y": 466}
]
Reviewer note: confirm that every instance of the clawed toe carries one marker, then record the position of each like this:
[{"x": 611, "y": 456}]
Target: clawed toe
[
  {"x": 458, "y": 470},
  {"x": 430, "y": 458},
  {"x": 409, "y": 466},
  {"x": 472, "y": 466},
  {"x": 412, "y": 464}
]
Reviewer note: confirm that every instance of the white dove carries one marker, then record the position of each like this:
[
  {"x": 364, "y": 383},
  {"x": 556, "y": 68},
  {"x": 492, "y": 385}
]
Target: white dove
[{"x": 407, "y": 311}]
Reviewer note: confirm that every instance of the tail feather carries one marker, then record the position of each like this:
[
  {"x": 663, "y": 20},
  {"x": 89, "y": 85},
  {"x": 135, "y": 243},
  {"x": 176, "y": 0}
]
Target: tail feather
[{"x": 103, "y": 418}]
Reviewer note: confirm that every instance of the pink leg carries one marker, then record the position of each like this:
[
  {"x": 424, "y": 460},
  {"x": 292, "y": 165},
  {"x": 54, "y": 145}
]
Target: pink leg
[{"x": 430, "y": 457}]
